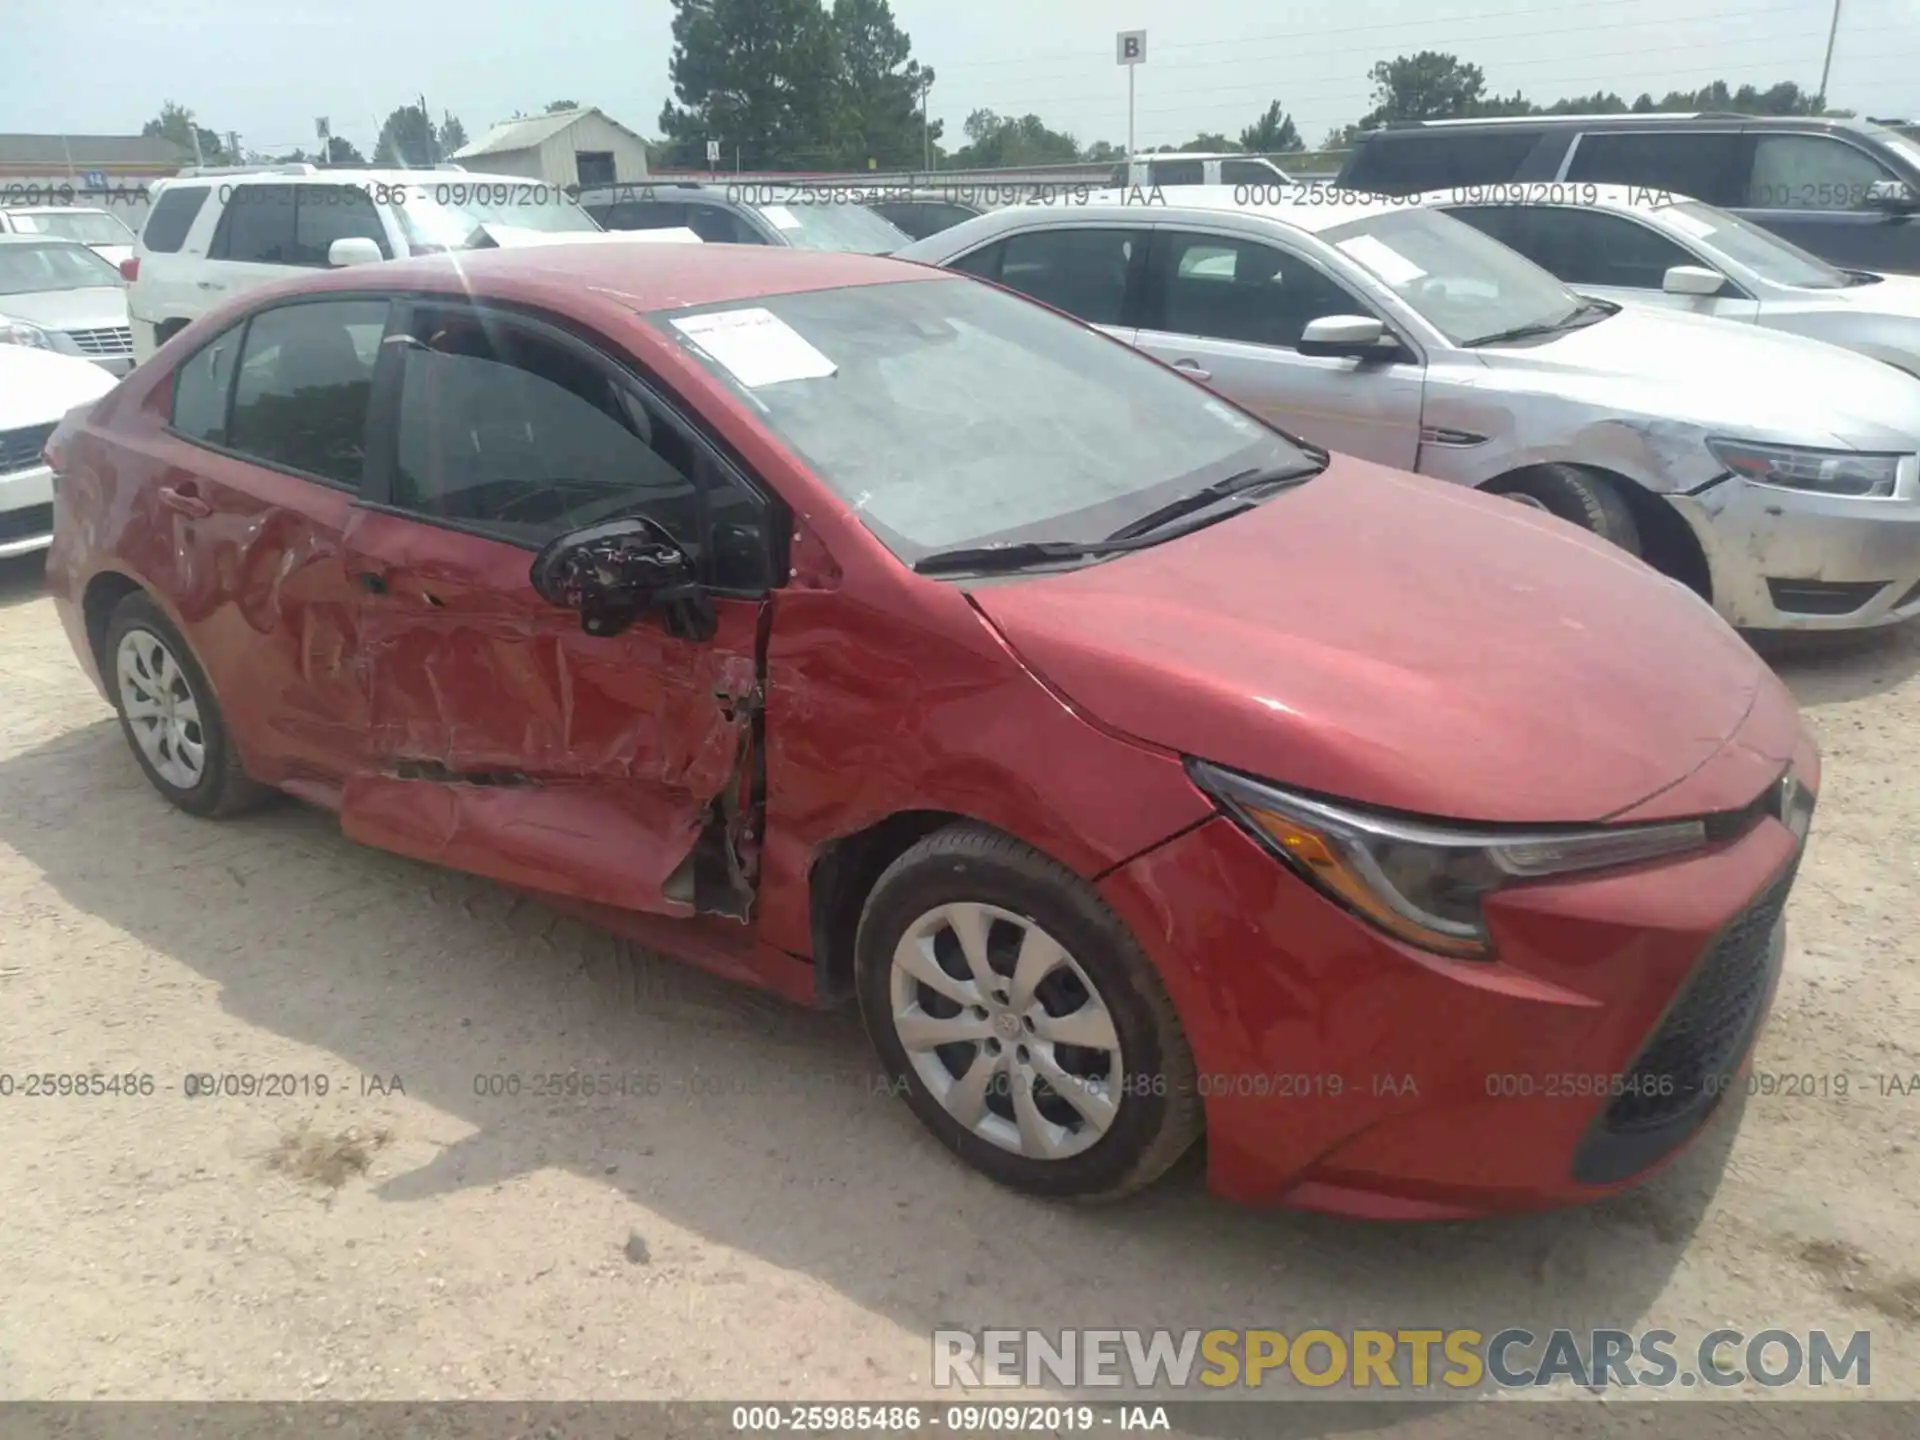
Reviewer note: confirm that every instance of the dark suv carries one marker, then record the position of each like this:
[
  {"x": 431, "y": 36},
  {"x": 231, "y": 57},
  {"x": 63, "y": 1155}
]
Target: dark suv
[{"x": 1847, "y": 190}]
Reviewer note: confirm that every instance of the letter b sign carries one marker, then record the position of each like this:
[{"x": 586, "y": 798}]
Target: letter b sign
[{"x": 1130, "y": 48}]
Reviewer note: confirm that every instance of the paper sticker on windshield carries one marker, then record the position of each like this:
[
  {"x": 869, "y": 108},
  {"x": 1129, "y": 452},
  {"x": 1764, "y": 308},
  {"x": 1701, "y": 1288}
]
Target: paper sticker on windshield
[
  {"x": 1233, "y": 418},
  {"x": 1687, "y": 224},
  {"x": 1389, "y": 264},
  {"x": 757, "y": 346},
  {"x": 779, "y": 217}
]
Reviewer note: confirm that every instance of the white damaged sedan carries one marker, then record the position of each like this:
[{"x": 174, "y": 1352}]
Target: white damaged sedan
[{"x": 37, "y": 388}]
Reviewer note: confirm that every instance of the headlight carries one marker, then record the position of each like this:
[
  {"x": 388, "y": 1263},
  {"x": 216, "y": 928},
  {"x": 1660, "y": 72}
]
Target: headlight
[
  {"x": 19, "y": 332},
  {"x": 1823, "y": 472},
  {"x": 1423, "y": 881}
]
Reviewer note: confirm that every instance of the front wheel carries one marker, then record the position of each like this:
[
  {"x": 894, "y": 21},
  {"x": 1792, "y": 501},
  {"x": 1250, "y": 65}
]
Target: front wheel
[
  {"x": 1030, "y": 1032},
  {"x": 1590, "y": 501}
]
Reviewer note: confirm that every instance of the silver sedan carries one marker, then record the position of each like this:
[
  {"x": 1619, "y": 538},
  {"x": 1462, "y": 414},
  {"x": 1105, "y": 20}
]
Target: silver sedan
[
  {"x": 1777, "y": 476},
  {"x": 58, "y": 295}
]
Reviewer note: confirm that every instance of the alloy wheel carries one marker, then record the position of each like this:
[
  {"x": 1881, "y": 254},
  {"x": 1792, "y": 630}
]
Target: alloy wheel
[
  {"x": 161, "y": 709},
  {"x": 1006, "y": 1030}
]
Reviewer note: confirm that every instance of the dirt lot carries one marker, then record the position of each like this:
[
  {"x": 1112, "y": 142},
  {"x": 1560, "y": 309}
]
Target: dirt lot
[{"x": 798, "y": 1241}]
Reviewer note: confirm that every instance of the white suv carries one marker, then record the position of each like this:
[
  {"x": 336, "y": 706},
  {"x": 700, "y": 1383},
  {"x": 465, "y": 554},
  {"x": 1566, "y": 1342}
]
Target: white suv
[{"x": 211, "y": 235}]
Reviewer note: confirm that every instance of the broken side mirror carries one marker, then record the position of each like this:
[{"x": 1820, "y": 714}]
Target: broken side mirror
[{"x": 616, "y": 572}]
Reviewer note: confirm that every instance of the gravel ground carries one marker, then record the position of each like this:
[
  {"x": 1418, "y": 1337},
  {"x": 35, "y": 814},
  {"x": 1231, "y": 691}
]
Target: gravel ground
[{"x": 766, "y": 1226}]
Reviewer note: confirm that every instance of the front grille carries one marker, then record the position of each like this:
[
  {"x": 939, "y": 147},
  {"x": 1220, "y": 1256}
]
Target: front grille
[
  {"x": 1823, "y": 597},
  {"x": 29, "y": 522},
  {"x": 20, "y": 449},
  {"x": 115, "y": 340}
]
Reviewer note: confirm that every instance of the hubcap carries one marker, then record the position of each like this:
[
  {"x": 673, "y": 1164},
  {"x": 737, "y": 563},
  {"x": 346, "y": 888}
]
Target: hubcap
[
  {"x": 1006, "y": 1030},
  {"x": 161, "y": 709}
]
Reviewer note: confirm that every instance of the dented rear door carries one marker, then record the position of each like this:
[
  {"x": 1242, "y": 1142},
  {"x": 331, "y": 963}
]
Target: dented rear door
[{"x": 506, "y": 741}]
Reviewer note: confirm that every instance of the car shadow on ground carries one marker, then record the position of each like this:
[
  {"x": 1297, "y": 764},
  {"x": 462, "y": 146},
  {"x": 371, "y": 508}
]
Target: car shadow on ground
[
  {"x": 1833, "y": 668},
  {"x": 767, "y": 1134},
  {"x": 23, "y": 579}
]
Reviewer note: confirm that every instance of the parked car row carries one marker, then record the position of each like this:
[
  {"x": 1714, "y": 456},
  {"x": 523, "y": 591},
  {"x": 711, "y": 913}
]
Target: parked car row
[{"x": 1144, "y": 752}]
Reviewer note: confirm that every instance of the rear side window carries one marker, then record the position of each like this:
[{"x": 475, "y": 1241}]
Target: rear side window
[
  {"x": 326, "y": 213},
  {"x": 306, "y": 373},
  {"x": 1434, "y": 160},
  {"x": 1177, "y": 172},
  {"x": 1590, "y": 247},
  {"x": 1701, "y": 164},
  {"x": 172, "y": 217},
  {"x": 257, "y": 226},
  {"x": 1247, "y": 172},
  {"x": 1810, "y": 172},
  {"x": 984, "y": 262},
  {"x": 640, "y": 215},
  {"x": 200, "y": 389},
  {"x": 1083, "y": 272},
  {"x": 721, "y": 227},
  {"x": 1496, "y": 222}
]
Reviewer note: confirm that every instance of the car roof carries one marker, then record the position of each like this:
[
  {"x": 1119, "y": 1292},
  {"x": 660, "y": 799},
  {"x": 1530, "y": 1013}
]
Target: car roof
[
  {"x": 1325, "y": 209},
  {"x": 641, "y": 277},
  {"x": 54, "y": 210},
  {"x": 39, "y": 239},
  {"x": 1656, "y": 119},
  {"x": 1550, "y": 192},
  {"x": 349, "y": 176}
]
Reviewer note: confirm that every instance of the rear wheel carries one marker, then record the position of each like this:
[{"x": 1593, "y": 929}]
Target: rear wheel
[
  {"x": 1031, "y": 1034},
  {"x": 169, "y": 715},
  {"x": 1588, "y": 500}
]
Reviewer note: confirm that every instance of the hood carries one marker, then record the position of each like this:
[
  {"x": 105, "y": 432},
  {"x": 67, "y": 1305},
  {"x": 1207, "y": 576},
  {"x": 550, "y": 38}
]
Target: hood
[
  {"x": 95, "y": 308},
  {"x": 1399, "y": 642},
  {"x": 1724, "y": 377},
  {"x": 507, "y": 236},
  {"x": 1896, "y": 295},
  {"x": 37, "y": 387}
]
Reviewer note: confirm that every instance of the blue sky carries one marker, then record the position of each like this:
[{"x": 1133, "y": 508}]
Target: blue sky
[{"x": 268, "y": 69}]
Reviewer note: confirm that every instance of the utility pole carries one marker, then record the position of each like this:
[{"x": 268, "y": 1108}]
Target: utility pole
[
  {"x": 926, "y": 133},
  {"x": 233, "y": 147},
  {"x": 1826, "y": 67}
]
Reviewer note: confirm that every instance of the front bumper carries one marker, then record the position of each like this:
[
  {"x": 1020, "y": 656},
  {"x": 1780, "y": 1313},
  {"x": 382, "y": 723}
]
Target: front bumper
[
  {"x": 26, "y": 511},
  {"x": 1787, "y": 560},
  {"x": 1345, "y": 1072}
]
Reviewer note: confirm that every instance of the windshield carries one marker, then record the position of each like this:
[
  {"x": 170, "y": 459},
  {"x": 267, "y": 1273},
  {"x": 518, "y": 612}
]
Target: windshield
[
  {"x": 56, "y": 265},
  {"x": 1464, "y": 284},
  {"x": 1761, "y": 251},
  {"x": 1900, "y": 144},
  {"x": 94, "y": 227},
  {"x": 950, "y": 414},
  {"x": 834, "y": 225},
  {"x": 448, "y": 215}
]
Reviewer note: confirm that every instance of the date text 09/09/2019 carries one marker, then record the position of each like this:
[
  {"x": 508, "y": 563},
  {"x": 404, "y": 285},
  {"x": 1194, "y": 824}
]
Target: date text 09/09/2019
[{"x": 1009, "y": 1419}]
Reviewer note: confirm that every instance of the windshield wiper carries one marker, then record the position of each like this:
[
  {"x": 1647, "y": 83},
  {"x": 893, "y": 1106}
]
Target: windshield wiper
[
  {"x": 1019, "y": 556},
  {"x": 1237, "y": 484},
  {"x": 1549, "y": 327}
]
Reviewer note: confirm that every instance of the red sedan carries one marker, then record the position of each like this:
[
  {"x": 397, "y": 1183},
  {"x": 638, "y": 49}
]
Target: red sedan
[{"x": 863, "y": 631}]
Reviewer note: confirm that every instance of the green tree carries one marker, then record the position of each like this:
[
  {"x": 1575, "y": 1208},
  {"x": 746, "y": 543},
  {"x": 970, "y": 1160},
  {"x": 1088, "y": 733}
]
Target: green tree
[
  {"x": 1000, "y": 140},
  {"x": 453, "y": 134},
  {"x": 1426, "y": 86},
  {"x": 407, "y": 138},
  {"x": 756, "y": 75},
  {"x": 342, "y": 152},
  {"x": 876, "y": 102},
  {"x": 177, "y": 123},
  {"x": 1210, "y": 142},
  {"x": 1102, "y": 150},
  {"x": 1274, "y": 133}
]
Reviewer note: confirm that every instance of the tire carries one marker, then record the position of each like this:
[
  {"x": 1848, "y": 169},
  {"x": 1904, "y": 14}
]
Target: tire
[
  {"x": 1012, "y": 892},
  {"x": 145, "y": 656},
  {"x": 1588, "y": 500}
]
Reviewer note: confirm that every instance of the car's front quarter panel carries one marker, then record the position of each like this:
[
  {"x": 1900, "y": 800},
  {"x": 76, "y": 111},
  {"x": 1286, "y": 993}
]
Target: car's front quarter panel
[{"x": 1894, "y": 339}]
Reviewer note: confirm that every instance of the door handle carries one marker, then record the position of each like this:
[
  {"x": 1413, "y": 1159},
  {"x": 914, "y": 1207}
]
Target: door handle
[
  {"x": 1192, "y": 367},
  {"x": 185, "y": 502},
  {"x": 372, "y": 583}
]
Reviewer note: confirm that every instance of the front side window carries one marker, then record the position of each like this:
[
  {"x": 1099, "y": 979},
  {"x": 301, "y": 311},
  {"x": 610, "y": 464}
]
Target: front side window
[
  {"x": 1080, "y": 270},
  {"x": 257, "y": 226},
  {"x": 515, "y": 433},
  {"x": 1221, "y": 289},
  {"x": 717, "y": 226},
  {"x": 1761, "y": 251},
  {"x": 1178, "y": 172},
  {"x": 1250, "y": 172},
  {"x": 32, "y": 268},
  {"x": 1585, "y": 246},
  {"x": 642, "y": 215},
  {"x": 306, "y": 375},
  {"x": 948, "y": 414},
  {"x": 1465, "y": 285},
  {"x": 326, "y": 213},
  {"x": 1810, "y": 172}
]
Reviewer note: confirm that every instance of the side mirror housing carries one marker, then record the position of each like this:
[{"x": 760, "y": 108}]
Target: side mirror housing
[
  {"x": 1693, "y": 280},
  {"x": 353, "y": 250},
  {"x": 613, "y": 573},
  {"x": 1896, "y": 197},
  {"x": 1359, "y": 337}
]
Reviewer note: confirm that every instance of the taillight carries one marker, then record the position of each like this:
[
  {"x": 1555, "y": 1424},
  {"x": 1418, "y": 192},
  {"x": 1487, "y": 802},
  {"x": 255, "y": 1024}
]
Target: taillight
[{"x": 130, "y": 268}]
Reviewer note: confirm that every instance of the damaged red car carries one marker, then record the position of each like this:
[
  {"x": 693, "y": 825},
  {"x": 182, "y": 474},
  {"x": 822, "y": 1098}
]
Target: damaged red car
[{"x": 871, "y": 634}]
